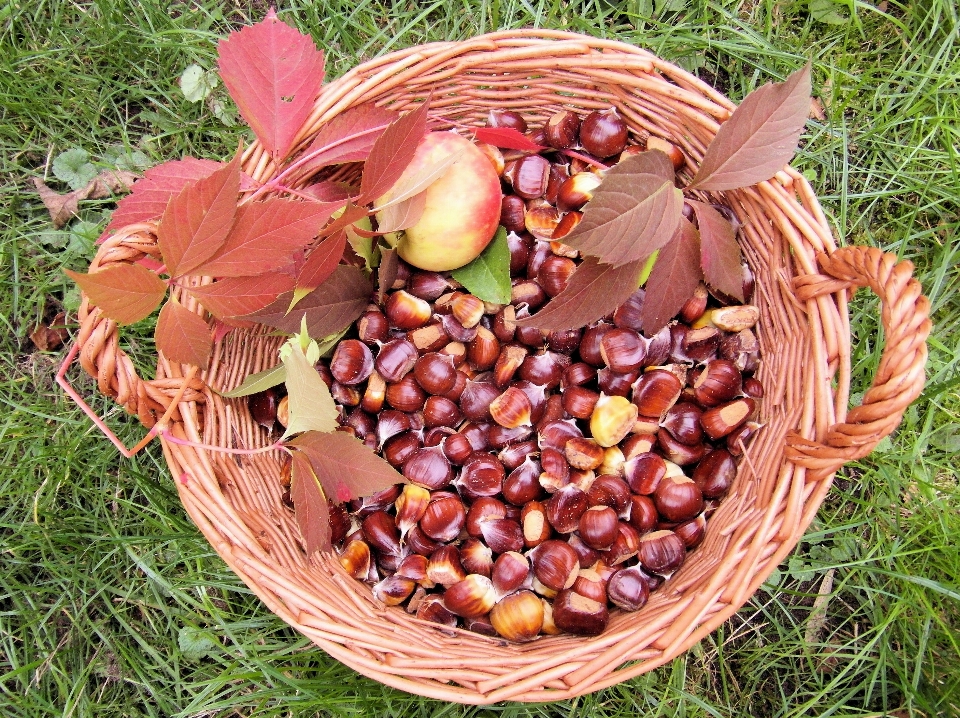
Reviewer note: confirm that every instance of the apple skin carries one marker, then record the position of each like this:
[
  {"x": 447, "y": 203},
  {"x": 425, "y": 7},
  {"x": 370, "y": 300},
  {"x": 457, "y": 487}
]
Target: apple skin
[{"x": 462, "y": 209}]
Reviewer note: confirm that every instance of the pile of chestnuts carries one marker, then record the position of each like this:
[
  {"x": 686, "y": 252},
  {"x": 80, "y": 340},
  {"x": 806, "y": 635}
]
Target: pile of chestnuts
[{"x": 553, "y": 477}]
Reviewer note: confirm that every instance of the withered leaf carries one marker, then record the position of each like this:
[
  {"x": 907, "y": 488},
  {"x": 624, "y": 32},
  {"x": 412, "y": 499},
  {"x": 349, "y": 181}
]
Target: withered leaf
[
  {"x": 634, "y": 211},
  {"x": 125, "y": 293},
  {"x": 348, "y": 137},
  {"x": 386, "y": 272},
  {"x": 508, "y": 138},
  {"x": 311, "y": 406},
  {"x": 346, "y": 467},
  {"x": 416, "y": 182},
  {"x": 328, "y": 308},
  {"x": 594, "y": 290},
  {"x": 151, "y": 194},
  {"x": 273, "y": 72},
  {"x": 265, "y": 235},
  {"x": 63, "y": 207},
  {"x": 48, "y": 337},
  {"x": 760, "y": 137},
  {"x": 182, "y": 336},
  {"x": 391, "y": 153},
  {"x": 309, "y": 505},
  {"x": 673, "y": 280},
  {"x": 401, "y": 215},
  {"x": 237, "y": 296},
  {"x": 719, "y": 251},
  {"x": 196, "y": 222}
]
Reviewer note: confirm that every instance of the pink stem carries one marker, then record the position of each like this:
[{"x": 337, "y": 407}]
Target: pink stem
[
  {"x": 585, "y": 158},
  {"x": 276, "y": 446}
]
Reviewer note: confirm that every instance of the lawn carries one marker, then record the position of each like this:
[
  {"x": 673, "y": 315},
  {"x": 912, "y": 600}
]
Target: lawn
[{"x": 113, "y": 604}]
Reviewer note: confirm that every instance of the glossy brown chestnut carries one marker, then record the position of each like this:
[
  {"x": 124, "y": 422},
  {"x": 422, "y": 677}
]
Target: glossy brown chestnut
[
  {"x": 380, "y": 532},
  {"x": 555, "y": 564},
  {"x": 396, "y": 359},
  {"x": 483, "y": 350},
  {"x": 406, "y": 395},
  {"x": 502, "y": 535},
  {"x": 719, "y": 382},
  {"x": 579, "y": 402},
  {"x": 584, "y": 454},
  {"x": 655, "y": 392},
  {"x": 507, "y": 118},
  {"x": 726, "y": 418},
  {"x": 406, "y": 311},
  {"x": 567, "y": 224},
  {"x": 518, "y": 617},
  {"x": 476, "y": 399},
  {"x": 512, "y": 212},
  {"x": 263, "y": 407},
  {"x": 661, "y": 552},
  {"x": 603, "y": 133},
  {"x": 555, "y": 274},
  {"x": 473, "y": 596},
  {"x": 642, "y": 513},
  {"x": 623, "y": 350},
  {"x": 443, "y": 519},
  {"x": 522, "y": 484},
  {"x": 529, "y": 176},
  {"x": 372, "y": 327},
  {"x": 598, "y": 527},
  {"x": 482, "y": 475},
  {"x": 533, "y": 521},
  {"x": 715, "y": 473},
  {"x": 436, "y": 373},
  {"x": 510, "y": 572},
  {"x": 625, "y": 546},
  {"x": 441, "y": 411},
  {"x": 432, "y": 609},
  {"x": 429, "y": 468},
  {"x": 590, "y": 344},
  {"x": 577, "y": 190},
  {"x": 467, "y": 309},
  {"x": 678, "y": 499},
  {"x": 562, "y": 129},
  {"x": 565, "y": 507},
  {"x": 682, "y": 421},
  {"x": 627, "y": 589},
  {"x": 511, "y": 409}
]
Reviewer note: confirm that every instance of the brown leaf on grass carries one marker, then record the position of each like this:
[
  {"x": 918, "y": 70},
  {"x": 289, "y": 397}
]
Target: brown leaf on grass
[
  {"x": 52, "y": 335},
  {"x": 594, "y": 290},
  {"x": 63, "y": 207},
  {"x": 125, "y": 293},
  {"x": 673, "y": 279},
  {"x": 386, "y": 272},
  {"x": 346, "y": 467},
  {"x": 719, "y": 251},
  {"x": 310, "y": 505},
  {"x": 182, "y": 336},
  {"x": 634, "y": 211},
  {"x": 760, "y": 137},
  {"x": 196, "y": 222},
  {"x": 237, "y": 296},
  {"x": 273, "y": 72},
  {"x": 391, "y": 153},
  {"x": 264, "y": 236},
  {"x": 329, "y": 308}
]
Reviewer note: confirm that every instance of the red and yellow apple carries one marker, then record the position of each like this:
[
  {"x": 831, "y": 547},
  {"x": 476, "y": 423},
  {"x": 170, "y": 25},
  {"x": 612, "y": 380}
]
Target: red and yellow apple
[{"x": 462, "y": 209}]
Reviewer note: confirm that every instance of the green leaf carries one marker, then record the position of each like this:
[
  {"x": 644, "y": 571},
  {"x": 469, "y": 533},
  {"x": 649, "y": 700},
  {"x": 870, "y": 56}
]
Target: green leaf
[
  {"x": 831, "y": 12},
  {"x": 74, "y": 168},
  {"x": 196, "y": 644},
  {"x": 258, "y": 382},
  {"x": 311, "y": 406},
  {"x": 196, "y": 83},
  {"x": 488, "y": 276}
]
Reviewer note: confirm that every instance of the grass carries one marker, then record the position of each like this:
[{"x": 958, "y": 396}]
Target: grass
[{"x": 111, "y": 603}]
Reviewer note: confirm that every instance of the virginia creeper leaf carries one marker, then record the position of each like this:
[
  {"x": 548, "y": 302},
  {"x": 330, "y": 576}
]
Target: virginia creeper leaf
[
  {"x": 346, "y": 467},
  {"x": 151, "y": 194},
  {"x": 327, "y": 191},
  {"x": 309, "y": 505},
  {"x": 264, "y": 235},
  {"x": 673, "y": 279},
  {"x": 311, "y": 406},
  {"x": 396, "y": 216},
  {"x": 391, "y": 153},
  {"x": 634, "y": 211},
  {"x": 386, "y": 272},
  {"x": 719, "y": 251},
  {"x": 125, "y": 293},
  {"x": 351, "y": 213},
  {"x": 273, "y": 73},
  {"x": 254, "y": 383},
  {"x": 183, "y": 336},
  {"x": 348, "y": 137},
  {"x": 760, "y": 137},
  {"x": 419, "y": 180},
  {"x": 196, "y": 222},
  {"x": 594, "y": 290},
  {"x": 236, "y": 296},
  {"x": 321, "y": 262},
  {"x": 488, "y": 276},
  {"x": 508, "y": 138},
  {"x": 328, "y": 308}
]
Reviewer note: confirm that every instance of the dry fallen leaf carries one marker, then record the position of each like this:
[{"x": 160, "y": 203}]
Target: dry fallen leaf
[{"x": 63, "y": 207}]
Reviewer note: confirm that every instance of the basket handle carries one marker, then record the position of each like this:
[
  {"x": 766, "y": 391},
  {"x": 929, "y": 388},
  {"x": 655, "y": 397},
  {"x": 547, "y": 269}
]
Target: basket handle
[{"x": 904, "y": 314}]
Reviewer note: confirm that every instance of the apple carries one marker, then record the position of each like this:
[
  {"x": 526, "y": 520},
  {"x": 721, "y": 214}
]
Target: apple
[{"x": 462, "y": 208}]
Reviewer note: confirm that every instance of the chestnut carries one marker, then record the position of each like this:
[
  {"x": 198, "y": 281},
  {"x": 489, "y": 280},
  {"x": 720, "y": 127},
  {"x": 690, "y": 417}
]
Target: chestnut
[
  {"x": 678, "y": 498},
  {"x": 533, "y": 520},
  {"x": 578, "y": 614},
  {"x": 603, "y": 133},
  {"x": 529, "y": 176},
  {"x": 628, "y": 589},
  {"x": 555, "y": 564},
  {"x": 661, "y": 552},
  {"x": 443, "y": 519},
  {"x": 512, "y": 212},
  {"x": 562, "y": 129},
  {"x": 715, "y": 473},
  {"x": 598, "y": 527},
  {"x": 507, "y": 118},
  {"x": 435, "y": 373},
  {"x": 518, "y": 617},
  {"x": 522, "y": 485},
  {"x": 432, "y": 609},
  {"x": 406, "y": 311},
  {"x": 473, "y": 596},
  {"x": 396, "y": 359},
  {"x": 428, "y": 467},
  {"x": 511, "y": 409},
  {"x": 510, "y": 572},
  {"x": 655, "y": 392},
  {"x": 476, "y": 557}
]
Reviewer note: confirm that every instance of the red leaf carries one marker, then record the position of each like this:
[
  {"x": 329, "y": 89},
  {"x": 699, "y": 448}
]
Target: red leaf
[
  {"x": 404, "y": 214},
  {"x": 719, "y": 251},
  {"x": 264, "y": 236},
  {"x": 391, "y": 153},
  {"x": 197, "y": 221},
  {"x": 346, "y": 467},
  {"x": 386, "y": 272},
  {"x": 329, "y": 308},
  {"x": 183, "y": 336},
  {"x": 634, "y": 211},
  {"x": 350, "y": 215},
  {"x": 760, "y": 137},
  {"x": 326, "y": 191},
  {"x": 152, "y": 264},
  {"x": 507, "y": 138},
  {"x": 237, "y": 296},
  {"x": 594, "y": 291},
  {"x": 151, "y": 194},
  {"x": 348, "y": 137},
  {"x": 322, "y": 261},
  {"x": 310, "y": 505},
  {"x": 125, "y": 293},
  {"x": 273, "y": 73},
  {"x": 673, "y": 280}
]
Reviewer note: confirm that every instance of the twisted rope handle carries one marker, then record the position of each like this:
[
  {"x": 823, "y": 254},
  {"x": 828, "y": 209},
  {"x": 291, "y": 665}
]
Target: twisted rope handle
[{"x": 904, "y": 314}]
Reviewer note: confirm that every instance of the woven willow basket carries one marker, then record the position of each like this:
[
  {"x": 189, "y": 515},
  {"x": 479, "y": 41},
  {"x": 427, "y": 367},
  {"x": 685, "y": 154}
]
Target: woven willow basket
[{"x": 803, "y": 284}]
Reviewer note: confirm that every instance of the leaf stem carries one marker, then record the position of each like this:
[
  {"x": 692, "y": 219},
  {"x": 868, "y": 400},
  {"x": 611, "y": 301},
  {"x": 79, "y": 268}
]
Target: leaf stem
[
  {"x": 276, "y": 446},
  {"x": 585, "y": 158}
]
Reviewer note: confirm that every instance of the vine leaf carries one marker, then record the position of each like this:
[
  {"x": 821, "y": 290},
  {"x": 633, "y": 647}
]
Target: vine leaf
[
  {"x": 673, "y": 279},
  {"x": 196, "y": 222},
  {"x": 273, "y": 73},
  {"x": 311, "y": 406},
  {"x": 265, "y": 235},
  {"x": 488, "y": 276},
  {"x": 508, "y": 138},
  {"x": 319, "y": 265},
  {"x": 348, "y": 137},
  {"x": 418, "y": 181},
  {"x": 760, "y": 137},
  {"x": 719, "y": 251},
  {"x": 386, "y": 272},
  {"x": 237, "y": 296},
  {"x": 182, "y": 336},
  {"x": 153, "y": 192},
  {"x": 254, "y": 383},
  {"x": 333, "y": 305},
  {"x": 594, "y": 290},
  {"x": 634, "y": 211},
  {"x": 125, "y": 293},
  {"x": 310, "y": 505},
  {"x": 391, "y": 154},
  {"x": 346, "y": 467},
  {"x": 396, "y": 216}
]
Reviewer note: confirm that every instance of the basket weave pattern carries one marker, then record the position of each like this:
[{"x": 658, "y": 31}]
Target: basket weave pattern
[{"x": 802, "y": 286}]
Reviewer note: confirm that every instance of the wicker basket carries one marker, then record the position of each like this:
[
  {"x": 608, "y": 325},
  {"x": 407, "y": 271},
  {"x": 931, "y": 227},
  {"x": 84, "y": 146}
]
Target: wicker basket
[{"x": 803, "y": 284}]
